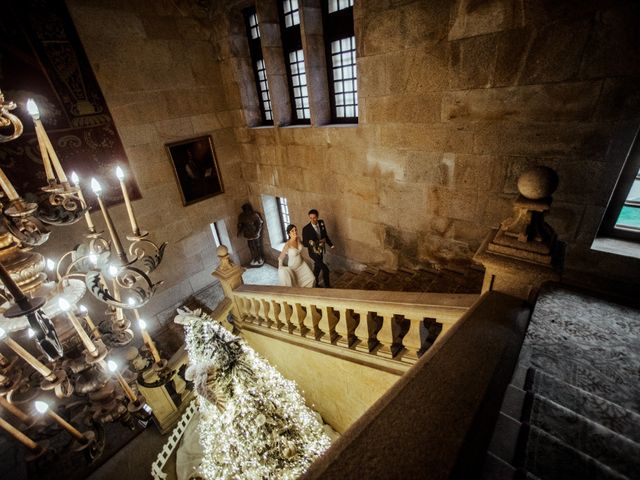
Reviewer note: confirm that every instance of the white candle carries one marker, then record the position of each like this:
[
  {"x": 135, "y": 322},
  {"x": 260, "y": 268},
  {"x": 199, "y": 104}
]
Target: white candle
[
  {"x": 43, "y": 407},
  {"x": 40, "y": 367},
  {"x": 147, "y": 339},
  {"x": 32, "y": 108},
  {"x": 113, "y": 367},
  {"x": 117, "y": 245},
  {"x": 92, "y": 326},
  {"x": 86, "y": 340},
  {"x": 87, "y": 216},
  {"x": 7, "y": 187},
  {"x": 132, "y": 217},
  {"x": 18, "y": 435}
]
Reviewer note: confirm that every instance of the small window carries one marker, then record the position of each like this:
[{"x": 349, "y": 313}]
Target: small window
[
  {"x": 263, "y": 91},
  {"x": 294, "y": 60},
  {"x": 340, "y": 45},
  {"x": 291, "y": 13},
  {"x": 259, "y": 69},
  {"x": 253, "y": 26},
  {"x": 299, "y": 85},
  {"x": 622, "y": 218},
  {"x": 285, "y": 220},
  {"x": 335, "y": 5},
  {"x": 216, "y": 234},
  {"x": 629, "y": 218},
  {"x": 220, "y": 234}
]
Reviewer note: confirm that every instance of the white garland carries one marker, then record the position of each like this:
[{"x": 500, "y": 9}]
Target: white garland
[{"x": 254, "y": 422}]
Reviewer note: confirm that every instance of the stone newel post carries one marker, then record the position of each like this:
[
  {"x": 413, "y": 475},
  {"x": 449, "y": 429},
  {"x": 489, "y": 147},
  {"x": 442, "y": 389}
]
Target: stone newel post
[
  {"x": 230, "y": 276},
  {"x": 524, "y": 252}
]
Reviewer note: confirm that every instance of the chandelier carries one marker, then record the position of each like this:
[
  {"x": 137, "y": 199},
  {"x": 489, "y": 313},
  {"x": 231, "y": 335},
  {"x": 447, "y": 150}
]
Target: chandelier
[{"x": 75, "y": 363}]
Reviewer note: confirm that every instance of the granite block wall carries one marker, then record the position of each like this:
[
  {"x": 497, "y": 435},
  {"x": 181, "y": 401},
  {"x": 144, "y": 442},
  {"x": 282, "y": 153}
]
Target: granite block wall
[{"x": 457, "y": 97}]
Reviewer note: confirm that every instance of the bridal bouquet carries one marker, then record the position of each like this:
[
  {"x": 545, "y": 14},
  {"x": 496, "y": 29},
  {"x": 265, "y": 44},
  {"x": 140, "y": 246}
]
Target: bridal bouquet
[{"x": 317, "y": 248}]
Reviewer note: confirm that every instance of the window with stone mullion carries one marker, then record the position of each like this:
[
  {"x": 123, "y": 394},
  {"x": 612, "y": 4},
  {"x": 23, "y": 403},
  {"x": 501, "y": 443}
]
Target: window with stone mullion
[
  {"x": 340, "y": 47},
  {"x": 622, "y": 217},
  {"x": 285, "y": 219},
  {"x": 294, "y": 60},
  {"x": 299, "y": 85},
  {"x": 343, "y": 66},
  {"x": 259, "y": 68}
]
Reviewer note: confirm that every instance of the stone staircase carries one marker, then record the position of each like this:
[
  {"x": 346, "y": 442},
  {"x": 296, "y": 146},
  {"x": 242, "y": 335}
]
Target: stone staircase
[
  {"x": 408, "y": 280},
  {"x": 572, "y": 409}
]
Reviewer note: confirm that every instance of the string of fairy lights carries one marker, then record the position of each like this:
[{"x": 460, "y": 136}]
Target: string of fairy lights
[{"x": 254, "y": 422}]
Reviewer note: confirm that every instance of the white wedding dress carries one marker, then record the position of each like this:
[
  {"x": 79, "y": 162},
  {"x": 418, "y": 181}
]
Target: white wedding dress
[{"x": 297, "y": 273}]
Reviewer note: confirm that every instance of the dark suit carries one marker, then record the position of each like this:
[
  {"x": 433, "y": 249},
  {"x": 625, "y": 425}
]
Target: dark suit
[{"x": 309, "y": 234}]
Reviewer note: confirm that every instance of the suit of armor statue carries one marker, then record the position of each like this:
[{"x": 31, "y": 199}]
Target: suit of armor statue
[{"x": 250, "y": 225}]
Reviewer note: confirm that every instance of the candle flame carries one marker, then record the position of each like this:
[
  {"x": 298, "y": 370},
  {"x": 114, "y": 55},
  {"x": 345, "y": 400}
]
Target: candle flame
[
  {"x": 131, "y": 301},
  {"x": 82, "y": 309},
  {"x": 95, "y": 186},
  {"x": 142, "y": 324},
  {"x": 41, "y": 406},
  {"x": 93, "y": 258},
  {"x": 50, "y": 264},
  {"x": 75, "y": 178},
  {"x": 113, "y": 366},
  {"x": 32, "y": 108},
  {"x": 31, "y": 333},
  {"x": 3, "y": 333},
  {"x": 113, "y": 270},
  {"x": 63, "y": 304},
  {"x": 119, "y": 173}
]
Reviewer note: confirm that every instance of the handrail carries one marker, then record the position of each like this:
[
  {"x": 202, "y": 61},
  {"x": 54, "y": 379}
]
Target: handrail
[
  {"x": 380, "y": 323},
  {"x": 436, "y": 421}
]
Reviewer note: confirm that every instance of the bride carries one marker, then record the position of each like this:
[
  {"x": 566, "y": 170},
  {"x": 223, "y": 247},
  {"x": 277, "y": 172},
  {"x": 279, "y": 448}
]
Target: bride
[{"x": 297, "y": 273}]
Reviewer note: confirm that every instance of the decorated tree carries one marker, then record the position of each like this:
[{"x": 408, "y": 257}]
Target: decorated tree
[{"x": 254, "y": 422}]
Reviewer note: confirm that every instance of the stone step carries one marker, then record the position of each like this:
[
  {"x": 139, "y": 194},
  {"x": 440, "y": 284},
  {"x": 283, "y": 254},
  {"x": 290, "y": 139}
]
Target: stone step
[{"x": 408, "y": 280}]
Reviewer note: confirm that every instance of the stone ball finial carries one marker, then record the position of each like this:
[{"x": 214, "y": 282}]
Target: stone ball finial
[
  {"x": 222, "y": 251},
  {"x": 538, "y": 183}
]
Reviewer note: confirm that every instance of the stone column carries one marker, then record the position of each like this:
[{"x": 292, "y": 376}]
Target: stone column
[
  {"x": 230, "y": 276},
  {"x": 524, "y": 252}
]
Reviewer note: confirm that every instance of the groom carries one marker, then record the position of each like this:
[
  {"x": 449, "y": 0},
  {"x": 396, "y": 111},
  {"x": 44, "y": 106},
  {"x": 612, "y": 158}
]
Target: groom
[{"x": 314, "y": 237}]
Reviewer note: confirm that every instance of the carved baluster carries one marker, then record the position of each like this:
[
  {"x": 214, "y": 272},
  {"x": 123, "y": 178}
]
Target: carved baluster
[
  {"x": 276, "y": 315},
  {"x": 246, "y": 308},
  {"x": 265, "y": 310},
  {"x": 287, "y": 313},
  {"x": 327, "y": 324},
  {"x": 255, "y": 310},
  {"x": 241, "y": 307},
  {"x": 342, "y": 333},
  {"x": 411, "y": 342},
  {"x": 361, "y": 332},
  {"x": 298, "y": 318},
  {"x": 313, "y": 319},
  {"x": 384, "y": 335}
]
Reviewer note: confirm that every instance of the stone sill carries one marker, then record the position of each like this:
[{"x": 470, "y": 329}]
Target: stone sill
[
  {"x": 297, "y": 125},
  {"x": 616, "y": 246},
  {"x": 259, "y": 127},
  {"x": 339, "y": 125},
  {"x": 278, "y": 246}
]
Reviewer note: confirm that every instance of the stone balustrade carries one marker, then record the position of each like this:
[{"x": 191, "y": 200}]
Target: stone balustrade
[{"x": 390, "y": 325}]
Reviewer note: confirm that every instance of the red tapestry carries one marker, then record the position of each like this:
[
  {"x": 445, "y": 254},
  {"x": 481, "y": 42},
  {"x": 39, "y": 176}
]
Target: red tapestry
[{"x": 41, "y": 57}]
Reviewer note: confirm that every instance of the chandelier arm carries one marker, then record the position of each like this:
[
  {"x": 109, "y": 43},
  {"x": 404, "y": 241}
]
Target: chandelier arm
[{"x": 152, "y": 260}]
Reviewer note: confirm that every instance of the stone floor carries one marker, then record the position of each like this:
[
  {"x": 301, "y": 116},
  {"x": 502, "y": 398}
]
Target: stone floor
[{"x": 404, "y": 280}]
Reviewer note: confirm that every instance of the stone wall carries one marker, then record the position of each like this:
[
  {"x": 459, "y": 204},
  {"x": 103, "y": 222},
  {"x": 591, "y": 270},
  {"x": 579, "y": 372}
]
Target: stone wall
[
  {"x": 338, "y": 389},
  {"x": 457, "y": 97},
  {"x": 158, "y": 70}
]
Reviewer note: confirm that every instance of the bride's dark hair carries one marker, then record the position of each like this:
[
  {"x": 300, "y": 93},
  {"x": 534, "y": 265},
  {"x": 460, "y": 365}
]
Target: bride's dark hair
[{"x": 290, "y": 227}]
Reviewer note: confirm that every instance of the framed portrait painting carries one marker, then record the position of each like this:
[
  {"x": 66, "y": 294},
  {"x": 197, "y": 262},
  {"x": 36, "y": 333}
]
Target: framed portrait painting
[{"x": 194, "y": 163}]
